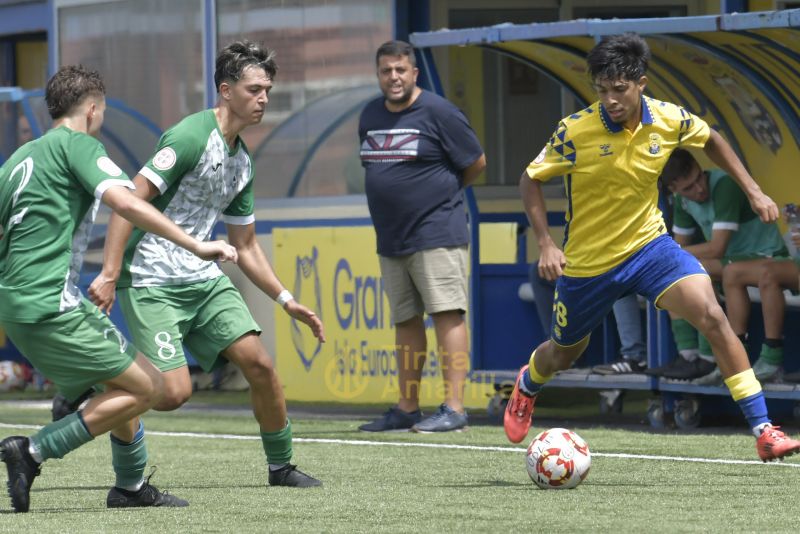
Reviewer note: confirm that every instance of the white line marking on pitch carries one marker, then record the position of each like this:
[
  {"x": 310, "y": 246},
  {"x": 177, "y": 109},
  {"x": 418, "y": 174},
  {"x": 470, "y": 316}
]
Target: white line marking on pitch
[{"x": 444, "y": 446}]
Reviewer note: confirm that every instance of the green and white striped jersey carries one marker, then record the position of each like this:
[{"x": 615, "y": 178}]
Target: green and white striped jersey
[
  {"x": 50, "y": 190},
  {"x": 201, "y": 180}
]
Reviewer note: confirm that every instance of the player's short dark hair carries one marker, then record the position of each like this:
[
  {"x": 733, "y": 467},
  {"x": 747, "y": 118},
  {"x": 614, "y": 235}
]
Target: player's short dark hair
[
  {"x": 619, "y": 57},
  {"x": 237, "y": 56},
  {"x": 396, "y": 48},
  {"x": 70, "y": 86},
  {"x": 679, "y": 165}
]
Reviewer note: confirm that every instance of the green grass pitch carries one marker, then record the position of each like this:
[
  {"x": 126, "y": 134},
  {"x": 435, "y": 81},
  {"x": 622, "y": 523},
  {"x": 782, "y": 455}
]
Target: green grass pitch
[{"x": 402, "y": 482}]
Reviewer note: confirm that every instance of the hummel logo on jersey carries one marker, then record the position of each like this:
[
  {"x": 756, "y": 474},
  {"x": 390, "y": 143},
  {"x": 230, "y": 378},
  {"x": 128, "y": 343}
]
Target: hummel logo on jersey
[
  {"x": 390, "y": 145},
  {"x": 215, "y": 167},
  {"x": 605, "y": 150}
]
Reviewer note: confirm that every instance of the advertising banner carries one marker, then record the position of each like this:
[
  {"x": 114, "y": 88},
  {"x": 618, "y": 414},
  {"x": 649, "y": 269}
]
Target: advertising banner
[{"x": 335, "y": 271}]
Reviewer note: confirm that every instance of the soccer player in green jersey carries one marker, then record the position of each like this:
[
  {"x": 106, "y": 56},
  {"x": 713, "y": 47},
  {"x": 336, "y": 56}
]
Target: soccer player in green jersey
[
  {"x": 201, "y": 172},
  {"x": 611, "y": 155},
  {"x": 736, "y": 247},
  {"x": 50, "y": 190}
]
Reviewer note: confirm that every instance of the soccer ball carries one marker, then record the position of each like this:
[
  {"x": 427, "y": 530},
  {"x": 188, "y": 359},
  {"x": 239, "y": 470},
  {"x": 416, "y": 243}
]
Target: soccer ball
[
  {"x": 13, "y": 376},
  {"x": 558, "y": 459}
]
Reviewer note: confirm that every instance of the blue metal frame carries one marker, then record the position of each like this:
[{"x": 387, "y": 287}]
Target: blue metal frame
[
  {"x": 410, "y": 16},
  {"x": 597, "y": 28},
  {"x": 210, "y": 49},
  {"x": 52, "y": 38}
]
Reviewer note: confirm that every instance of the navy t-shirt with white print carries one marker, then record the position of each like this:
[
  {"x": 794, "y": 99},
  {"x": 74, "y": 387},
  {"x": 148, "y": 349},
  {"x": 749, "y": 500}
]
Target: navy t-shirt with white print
[{"x": 413, "y": 161}]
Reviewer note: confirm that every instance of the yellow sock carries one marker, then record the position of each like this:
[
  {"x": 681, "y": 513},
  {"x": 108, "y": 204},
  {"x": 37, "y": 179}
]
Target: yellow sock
[
  {"x": 743, "y": 385},
  {"x": 534, "y": 374}
]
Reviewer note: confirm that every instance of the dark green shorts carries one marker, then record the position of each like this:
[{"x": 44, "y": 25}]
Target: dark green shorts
[
  {"x": 74, "y": 350},
  {"x": 206, "y": 317}
]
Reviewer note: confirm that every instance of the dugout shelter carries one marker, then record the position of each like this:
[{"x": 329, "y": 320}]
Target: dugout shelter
[{"x": 739, "y": 72}]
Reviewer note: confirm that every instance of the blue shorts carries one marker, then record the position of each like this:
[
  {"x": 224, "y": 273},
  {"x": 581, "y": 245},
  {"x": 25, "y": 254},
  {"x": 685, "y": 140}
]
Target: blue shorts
[{"x": 581, "y": 303}]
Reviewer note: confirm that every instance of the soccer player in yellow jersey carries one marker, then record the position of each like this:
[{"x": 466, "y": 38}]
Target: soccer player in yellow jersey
[{"x": 611, "y": 155}]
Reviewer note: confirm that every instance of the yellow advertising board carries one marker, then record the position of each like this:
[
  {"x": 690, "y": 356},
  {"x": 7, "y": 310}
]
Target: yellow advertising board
[{"x": 335, "y": 271}]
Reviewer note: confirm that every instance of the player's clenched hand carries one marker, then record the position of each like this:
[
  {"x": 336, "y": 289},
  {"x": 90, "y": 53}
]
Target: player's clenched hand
[
  {"x": 301, "y": 313},
  {"x": 217, "y": 250},
  {"x": 764, "y": 207},
  {"x": 551, "y": 263},
  {"x": 102, "y": 292}
]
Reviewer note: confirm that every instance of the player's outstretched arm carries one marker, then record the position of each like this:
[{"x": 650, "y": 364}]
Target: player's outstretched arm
[
  {"x": 720, "y": 152},
  {"x": 255, "y": 265},
  {"x": 102, "y": 290},
  {"x": 551, "y": 258},
  {"x": 136, "y": 208}
]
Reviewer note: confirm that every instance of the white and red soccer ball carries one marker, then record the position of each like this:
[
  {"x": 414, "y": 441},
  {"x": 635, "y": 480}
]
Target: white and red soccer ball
[{"x": 558, "y": 458}]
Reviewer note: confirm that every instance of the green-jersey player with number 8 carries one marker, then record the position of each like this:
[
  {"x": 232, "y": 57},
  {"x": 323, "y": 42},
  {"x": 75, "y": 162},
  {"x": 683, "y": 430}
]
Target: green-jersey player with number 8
[{"x": 201, "y": 173}]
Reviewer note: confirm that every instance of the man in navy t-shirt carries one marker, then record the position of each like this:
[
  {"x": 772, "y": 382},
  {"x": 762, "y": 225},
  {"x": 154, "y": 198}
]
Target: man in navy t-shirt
[{"x": 419, "y": 152}]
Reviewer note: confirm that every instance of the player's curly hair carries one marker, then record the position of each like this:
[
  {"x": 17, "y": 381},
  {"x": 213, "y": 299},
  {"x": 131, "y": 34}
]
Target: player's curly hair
[
  {"x": 70, "y": 86},
  {"x": 237, "y": 56},
  {"x": 619, "y": 57}
]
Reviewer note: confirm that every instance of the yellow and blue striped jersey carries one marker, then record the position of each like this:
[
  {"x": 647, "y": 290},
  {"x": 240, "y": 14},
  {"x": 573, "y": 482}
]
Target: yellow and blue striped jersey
[{"x": 610, "y": 176}]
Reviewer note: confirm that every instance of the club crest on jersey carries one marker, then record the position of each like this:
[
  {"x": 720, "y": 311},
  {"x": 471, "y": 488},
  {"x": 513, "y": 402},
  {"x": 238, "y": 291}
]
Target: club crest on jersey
[
  {"x": 164, "y": 159},
  {"x": 655, "y": 144}
]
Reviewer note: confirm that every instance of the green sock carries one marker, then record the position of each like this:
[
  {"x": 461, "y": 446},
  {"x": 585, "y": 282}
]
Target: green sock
[
  {"x": 684, "y": 333},
  {"x": 772, "y": 355},
  {"x": 58, "y": 438},
  {"x": 704, "y": 348},
  {"x": 278, "y": 445},
  {"x": 129, "y": 460}
]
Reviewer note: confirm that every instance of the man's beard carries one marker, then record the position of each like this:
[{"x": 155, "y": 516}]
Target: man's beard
[{"x": 402, "y": 99}]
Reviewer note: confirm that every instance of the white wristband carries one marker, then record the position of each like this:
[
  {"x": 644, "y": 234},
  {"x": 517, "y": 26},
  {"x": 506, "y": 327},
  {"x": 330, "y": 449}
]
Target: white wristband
[{"x": 284, "y": 297}]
